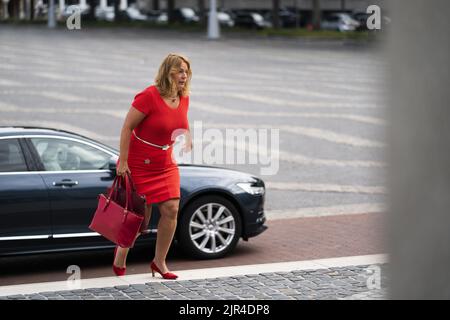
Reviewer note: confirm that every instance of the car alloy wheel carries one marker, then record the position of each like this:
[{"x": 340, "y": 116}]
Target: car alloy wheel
[{"x": 210, "y": 227}]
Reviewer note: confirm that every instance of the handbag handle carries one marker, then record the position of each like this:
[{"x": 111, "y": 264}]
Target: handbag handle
[
  {"x": 128, "y": 199},
  {"x": 127, "y": 182},
  {"x": 113, "y": 187},
  {"x": 133, "y": 187},
  {"x": 127, "y": 191}
]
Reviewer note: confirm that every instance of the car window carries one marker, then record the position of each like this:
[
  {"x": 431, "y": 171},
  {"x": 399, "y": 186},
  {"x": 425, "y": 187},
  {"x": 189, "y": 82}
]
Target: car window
[
  {"x": 62, "y": 154},
  {"x": 11, "y": 156},
  {"x": 333, "y": 18}
]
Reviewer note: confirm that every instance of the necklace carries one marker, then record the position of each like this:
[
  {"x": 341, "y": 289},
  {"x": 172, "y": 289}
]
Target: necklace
[{"x": 173, "y": 99}]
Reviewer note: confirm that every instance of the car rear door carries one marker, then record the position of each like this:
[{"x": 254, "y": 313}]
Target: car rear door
[
  {"x": 25, "y": 221},
  {"x": 75, "y": 173}
]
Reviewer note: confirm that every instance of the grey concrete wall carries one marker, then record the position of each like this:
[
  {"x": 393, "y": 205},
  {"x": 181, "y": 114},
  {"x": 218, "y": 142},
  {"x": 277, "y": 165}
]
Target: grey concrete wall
[{"x": 419, "y": 223}]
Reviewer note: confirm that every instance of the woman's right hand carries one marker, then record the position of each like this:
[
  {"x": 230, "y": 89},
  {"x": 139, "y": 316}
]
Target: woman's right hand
[{"x": 122, "y": 168}]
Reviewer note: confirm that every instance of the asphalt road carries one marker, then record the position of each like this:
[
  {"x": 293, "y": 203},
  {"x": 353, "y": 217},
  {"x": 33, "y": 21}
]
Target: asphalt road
[{"x": 325, "y": 98}]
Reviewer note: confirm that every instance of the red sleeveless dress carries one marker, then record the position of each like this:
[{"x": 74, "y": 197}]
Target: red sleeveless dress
[{"x": 153, "y": 170}]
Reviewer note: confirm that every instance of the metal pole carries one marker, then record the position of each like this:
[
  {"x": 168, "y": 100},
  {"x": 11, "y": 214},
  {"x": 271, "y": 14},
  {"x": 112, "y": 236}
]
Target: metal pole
[
  {"x": 51, "y": 14},
  {"x": 213, "y": 22}
]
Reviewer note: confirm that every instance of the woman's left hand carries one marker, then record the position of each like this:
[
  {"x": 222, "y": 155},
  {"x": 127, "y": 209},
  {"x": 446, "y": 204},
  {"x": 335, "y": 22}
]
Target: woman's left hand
[{"x": 188, "y": 143}]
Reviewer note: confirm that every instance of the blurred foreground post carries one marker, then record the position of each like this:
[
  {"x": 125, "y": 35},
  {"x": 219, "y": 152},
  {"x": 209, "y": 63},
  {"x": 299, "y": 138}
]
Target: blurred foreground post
[{"x": 419, "y": 219}]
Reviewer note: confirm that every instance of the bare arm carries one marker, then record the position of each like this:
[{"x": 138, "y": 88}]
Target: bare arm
[
  {"x": 188, "y": 146},
  {"x": 133, "y": 118}
]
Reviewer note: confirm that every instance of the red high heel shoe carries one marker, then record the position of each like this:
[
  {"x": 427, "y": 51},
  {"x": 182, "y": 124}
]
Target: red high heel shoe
[
  {"x": 117, "y": 270},
  {"x": 167, "y": 275}
]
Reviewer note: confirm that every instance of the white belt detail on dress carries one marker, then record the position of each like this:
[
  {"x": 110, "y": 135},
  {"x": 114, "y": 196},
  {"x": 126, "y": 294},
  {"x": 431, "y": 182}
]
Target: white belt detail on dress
[{"x": 164, "y": 147}]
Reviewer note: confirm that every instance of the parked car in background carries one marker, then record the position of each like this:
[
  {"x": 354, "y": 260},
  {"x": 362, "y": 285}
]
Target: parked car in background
[
  {"x": 71, "y": 9},
  {"x": 249, "y": 19},
  {"x": 225, "y": 19},
  {"x": 362, "y": 17},
  {"x": 134, "y": 14},
  {"x": 49, "y": 184},
  {"x": 287, "y": 18},
  {"x": 340, "y": 22},
  {"x": 104, "y": 13},
  {"x": 185, "y": 15},
  {"x": 157, "y": 16}
]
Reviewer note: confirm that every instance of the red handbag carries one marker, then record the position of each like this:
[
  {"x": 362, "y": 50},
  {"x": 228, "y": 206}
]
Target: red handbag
[
  {"x": 137, "y": 204},
  {"x": 114, "y": 221}
]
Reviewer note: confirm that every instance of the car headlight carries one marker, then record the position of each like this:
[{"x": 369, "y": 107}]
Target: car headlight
[{"x": 251, "y": 187}]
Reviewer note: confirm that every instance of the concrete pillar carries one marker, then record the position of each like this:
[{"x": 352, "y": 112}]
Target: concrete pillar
[
  {"x": 5, "y": 9},
  {"x": 419, "y": 134},
  {"x": 62, "y": 6},
  {"x": 123, "y": 5},
  {"x": 103, "y": 3},
  {"x": 83, "y": 4},
  {"x": 22, "y": 9}
]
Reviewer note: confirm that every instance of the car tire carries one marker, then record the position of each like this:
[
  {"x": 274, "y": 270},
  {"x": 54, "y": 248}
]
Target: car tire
[{"x": 197, "y": 238}]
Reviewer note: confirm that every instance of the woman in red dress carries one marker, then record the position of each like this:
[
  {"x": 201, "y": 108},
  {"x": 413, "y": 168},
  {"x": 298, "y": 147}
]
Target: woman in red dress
[{"x": 157, "y": 114}]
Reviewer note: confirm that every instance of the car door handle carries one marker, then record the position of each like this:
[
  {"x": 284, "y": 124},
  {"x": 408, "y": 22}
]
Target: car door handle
[{"x": 65, "y": 183}]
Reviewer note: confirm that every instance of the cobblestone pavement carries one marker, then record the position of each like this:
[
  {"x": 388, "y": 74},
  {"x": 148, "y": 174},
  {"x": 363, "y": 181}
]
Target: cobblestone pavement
[{"x": 354, "y": 282}]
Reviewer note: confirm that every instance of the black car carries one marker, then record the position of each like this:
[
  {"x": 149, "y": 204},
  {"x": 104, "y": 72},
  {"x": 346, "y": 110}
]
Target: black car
[
  {"x": 50, "y": 180},
  {"x": 287, "y": 18},
  {"x": 250, "y": 19}
]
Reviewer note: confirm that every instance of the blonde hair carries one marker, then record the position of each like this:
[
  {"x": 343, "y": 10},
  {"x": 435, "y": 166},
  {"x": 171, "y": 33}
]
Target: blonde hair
[{"x": 164, "y": 81}]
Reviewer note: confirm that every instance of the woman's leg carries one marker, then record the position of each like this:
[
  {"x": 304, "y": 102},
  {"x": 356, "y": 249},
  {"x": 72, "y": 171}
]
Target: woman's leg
[
  {"x": 121, "y": 256},
  {"x": 166, "y": 229}
]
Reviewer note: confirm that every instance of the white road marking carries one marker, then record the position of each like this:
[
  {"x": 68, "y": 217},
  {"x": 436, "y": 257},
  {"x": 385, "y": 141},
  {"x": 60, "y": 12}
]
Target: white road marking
[
  {"x": 366, "y": 89},
  {"x": 322, "y": 187},
  {"x": 99, "y": 71},
  {"x": 60, "y": 96},
  {"x": 349, "y": 209},
  {"x": 59, "y": 76},
  {"x": 67, "y": 97},
  {"x": 120, "y": 114},
  {"x": 305, "y": 160},
  {"x": 296, "y": 158},
  {"x": 316, "y": 94},
  {"x": 115, "y": 89},
  {"x": 332, "y": 136},
  {"x": 311, "y": 132},
  {"x": 302, "y": 104},
  {"x": 8, "y": 66},
  {"x": 213, "y": 79},
  {"x": 10, "y": 83},
  {"x": 227, "y": 111},
  {"x": 193, "y": 274},
  {"x": 283, "y": 155}
]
